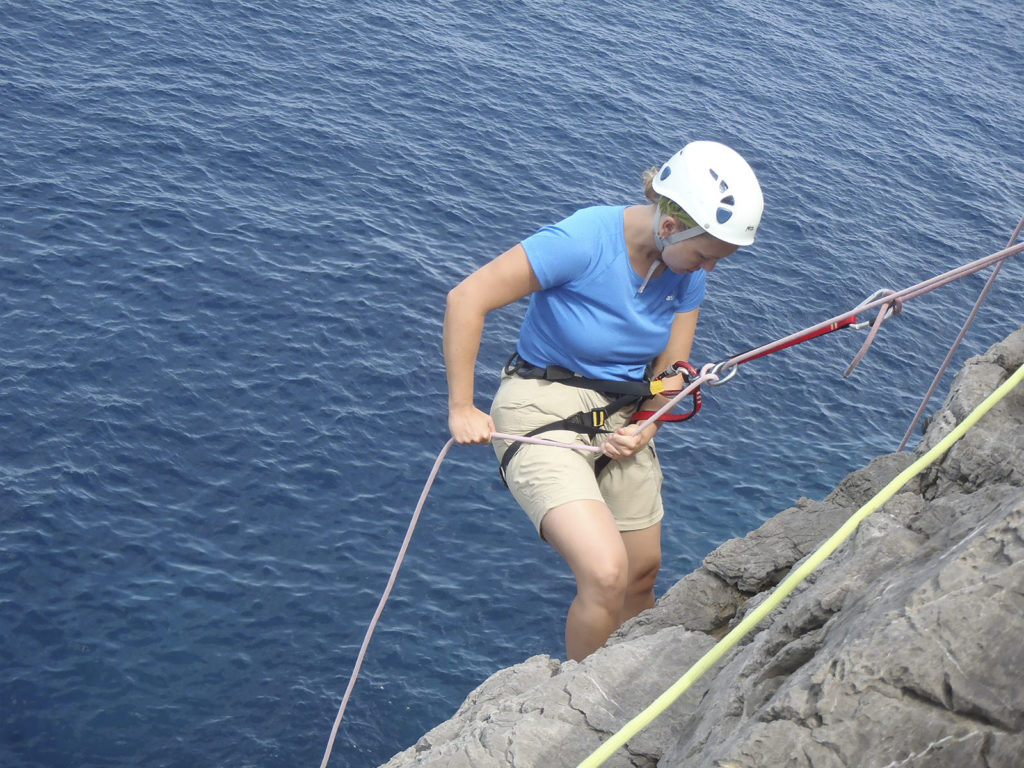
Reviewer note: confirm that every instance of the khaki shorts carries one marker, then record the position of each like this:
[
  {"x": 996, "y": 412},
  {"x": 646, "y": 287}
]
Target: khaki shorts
[{"x": 544, "y": 477}]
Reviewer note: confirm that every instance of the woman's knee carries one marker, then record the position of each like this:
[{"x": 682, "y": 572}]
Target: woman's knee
[
  {"x": 584, "y": 534},
  {"x": 604, "y": 579}
]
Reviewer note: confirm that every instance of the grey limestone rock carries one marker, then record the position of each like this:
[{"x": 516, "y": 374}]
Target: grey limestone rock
[
  {"x": 905, "y": 648},
  {"x": 992, "y": 454},
  {"x": 546, "y": 713},
  {"x": 700, "y": 601},
  {"x": 761, "y": 558}
]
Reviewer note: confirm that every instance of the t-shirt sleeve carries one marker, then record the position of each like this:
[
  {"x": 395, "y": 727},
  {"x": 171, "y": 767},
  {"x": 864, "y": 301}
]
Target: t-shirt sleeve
[
  {"x": 560, "y": 252},
  {"x": 692, "y": 296}
]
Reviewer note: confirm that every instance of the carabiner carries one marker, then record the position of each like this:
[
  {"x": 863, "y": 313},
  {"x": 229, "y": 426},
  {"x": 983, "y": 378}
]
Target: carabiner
[
  {"x": 889, "y": 311},
  {"x": 721, "y": 380},
  {"x": 679, "y": 367}
]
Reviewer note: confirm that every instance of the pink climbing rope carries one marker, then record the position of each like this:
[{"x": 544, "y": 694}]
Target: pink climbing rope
[
  {"x": 960, "y": 337},
  {"x": 360, "y": 657},
  {"x": 710, "y": 373},
  {"x": 542, "y": 441},
  {"x": 890, "y": 301},
  {"x": 383, "y": 600}
]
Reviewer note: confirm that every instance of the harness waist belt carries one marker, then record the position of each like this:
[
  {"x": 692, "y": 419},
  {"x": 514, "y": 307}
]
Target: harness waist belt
[{"x": 517, "y": 366}]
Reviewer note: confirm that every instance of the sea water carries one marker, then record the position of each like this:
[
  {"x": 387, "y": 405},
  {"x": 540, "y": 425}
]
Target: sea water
[{"x": 226, "y": 234}]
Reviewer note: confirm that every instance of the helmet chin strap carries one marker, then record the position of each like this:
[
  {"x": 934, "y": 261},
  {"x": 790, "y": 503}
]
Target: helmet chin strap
[
  {"x": 650, "y": 273},
  {"x": 664, "y": 242}
]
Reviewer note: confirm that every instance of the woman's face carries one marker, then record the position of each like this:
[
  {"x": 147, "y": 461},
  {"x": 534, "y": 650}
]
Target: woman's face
[{"x": 702, "y": 252}]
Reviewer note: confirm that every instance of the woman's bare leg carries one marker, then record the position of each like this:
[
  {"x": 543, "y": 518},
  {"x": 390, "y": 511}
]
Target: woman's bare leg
[
  {"x": 643, "y": 552},
  {"x": 585, "y": 535}
]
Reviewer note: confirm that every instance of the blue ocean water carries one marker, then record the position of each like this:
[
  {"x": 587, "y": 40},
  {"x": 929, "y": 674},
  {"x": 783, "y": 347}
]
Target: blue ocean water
[{"x": 226, "y": 234}]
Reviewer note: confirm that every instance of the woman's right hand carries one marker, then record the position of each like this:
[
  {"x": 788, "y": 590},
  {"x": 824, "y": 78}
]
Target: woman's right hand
[{"x": 469, "y": 424}]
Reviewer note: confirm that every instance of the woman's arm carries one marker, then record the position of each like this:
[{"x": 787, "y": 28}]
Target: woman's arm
[
  {"x": 624, "y": 443},
  {"x": 507, "y": 278},
  {"x": 680, "y": 344}
]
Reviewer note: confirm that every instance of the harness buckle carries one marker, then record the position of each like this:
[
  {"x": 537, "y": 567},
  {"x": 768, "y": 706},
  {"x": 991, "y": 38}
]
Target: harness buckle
[
  {"x": 593, "y": 419},
  {"x": 558, "y": 373}
]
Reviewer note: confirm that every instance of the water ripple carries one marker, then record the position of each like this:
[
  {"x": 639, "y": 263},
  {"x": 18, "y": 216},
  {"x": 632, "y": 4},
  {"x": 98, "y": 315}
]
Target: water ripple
[{"x": 226, "y": 233}]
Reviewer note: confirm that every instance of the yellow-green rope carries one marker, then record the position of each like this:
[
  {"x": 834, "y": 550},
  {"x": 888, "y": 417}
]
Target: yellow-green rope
[{"x": 709, "y": 659}]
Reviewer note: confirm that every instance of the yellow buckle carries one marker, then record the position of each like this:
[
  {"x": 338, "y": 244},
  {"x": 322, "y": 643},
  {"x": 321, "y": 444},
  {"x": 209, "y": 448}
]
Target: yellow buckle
[{"x": 657, "y": 387}]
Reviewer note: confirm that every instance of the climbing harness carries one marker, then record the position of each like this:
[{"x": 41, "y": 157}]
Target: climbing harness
[
  {"x": 888, "y": 303},
  {"x": 517, "y": 366},
  {"x": 592, "y": 422}
]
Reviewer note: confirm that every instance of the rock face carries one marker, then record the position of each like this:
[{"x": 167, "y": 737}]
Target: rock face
[{"x": 905, "y": 648}]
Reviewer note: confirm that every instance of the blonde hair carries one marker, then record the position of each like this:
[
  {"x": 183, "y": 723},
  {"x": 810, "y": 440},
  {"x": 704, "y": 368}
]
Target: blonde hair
[
  {"x": 648, "y": 180},
  {"x": 665, "y": 205}
]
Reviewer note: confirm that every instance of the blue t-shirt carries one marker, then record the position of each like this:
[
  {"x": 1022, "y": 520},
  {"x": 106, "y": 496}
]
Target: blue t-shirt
[{"x": 588, "y": 317}]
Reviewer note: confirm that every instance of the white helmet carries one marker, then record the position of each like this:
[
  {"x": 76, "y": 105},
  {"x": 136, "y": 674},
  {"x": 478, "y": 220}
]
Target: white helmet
[{"x": 716, "y": 187}]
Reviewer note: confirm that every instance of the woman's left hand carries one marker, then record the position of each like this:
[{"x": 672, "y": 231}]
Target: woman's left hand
[{"x": 625, "y": 443}]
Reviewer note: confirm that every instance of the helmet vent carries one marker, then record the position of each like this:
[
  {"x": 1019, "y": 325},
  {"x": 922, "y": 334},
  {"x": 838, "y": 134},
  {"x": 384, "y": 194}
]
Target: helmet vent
[
  {"x": 722, "y": 186},
  {"x": 665, "y": 172},
  {"x": 723, "y": 214}
]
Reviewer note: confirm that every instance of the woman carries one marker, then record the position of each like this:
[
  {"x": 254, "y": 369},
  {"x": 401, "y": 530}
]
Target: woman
[{"x": 612, "y": 289}]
